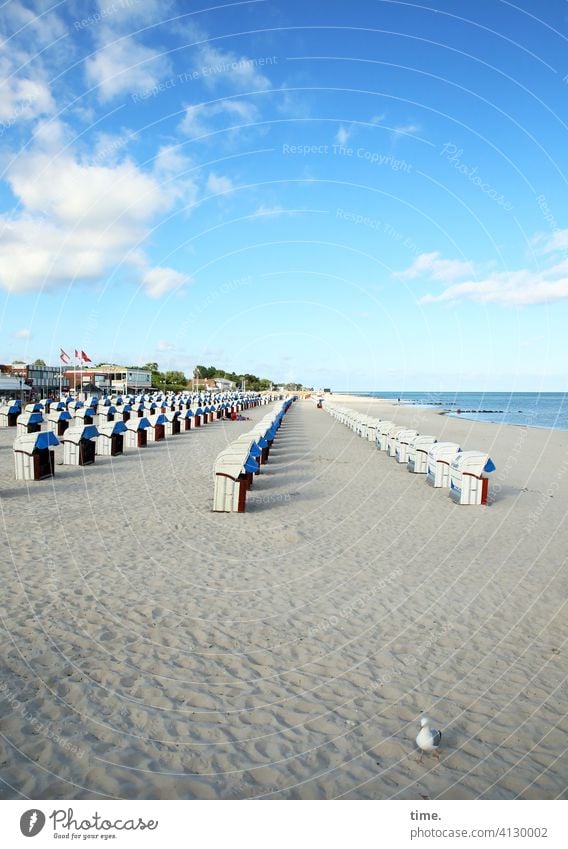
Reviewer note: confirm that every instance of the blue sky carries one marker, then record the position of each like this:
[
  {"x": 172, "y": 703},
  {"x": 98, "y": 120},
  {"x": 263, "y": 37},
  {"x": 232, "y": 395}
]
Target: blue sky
[{"x": 363, "y": 196}]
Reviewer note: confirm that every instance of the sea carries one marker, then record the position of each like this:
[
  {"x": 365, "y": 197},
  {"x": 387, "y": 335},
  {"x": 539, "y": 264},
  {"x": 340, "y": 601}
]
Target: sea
[{"x": 531, "y": 409}]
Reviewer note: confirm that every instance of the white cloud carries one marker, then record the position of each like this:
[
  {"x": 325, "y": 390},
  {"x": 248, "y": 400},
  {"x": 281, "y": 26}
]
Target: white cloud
[
  {"x": 193, "y": 123},
  {"x": 124, "y": 66},
  {"x": 217, "y": 66},
  {"x": 291, "y": 104},
  {"x": 509, "y": 288},
  {"x": 270, "y": 210},
  {"x": 24, "y": 333},
  {"x": 558, "y": 241},
  {"x": 275, "y": 211},
  {"x": 109, "y": 148},
  {"x": 244, "y": 110},
  {"x": 36, "y": 22},
  {"x": 158, "y": 281},
  {"x": 79, "y": 220},
  {"x": 438, "y": 269},
  {"x": 85, "y": 195},
  {"x": 124, "y": 13},
  {"x": 218, "y": 184},
  {"x": 516, "y": 287},
  {"x": 22, "y": 98},
  {"x": 34, "y": 44},
  {"x": 51, "y": 135},
  {"x": 171, "y": 161},
  {"x": 404, "y": 130},
  {"x": 378, "y": 119},
  {"x": 164, "y": 345},
  {"x": 342, "y": 136},
  {"x": 173, "y": 166},
  {"x": 197, "y": 120}
]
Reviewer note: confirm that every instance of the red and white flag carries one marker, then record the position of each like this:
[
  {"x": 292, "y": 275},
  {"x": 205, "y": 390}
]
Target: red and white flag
[
  {"x": 85, "y": 358},
  {"x": 77, "y": 354},
  {"x": 64, "y": 356}
]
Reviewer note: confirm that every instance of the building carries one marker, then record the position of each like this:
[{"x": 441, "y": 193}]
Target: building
[
  {"x": 224, "y": 385},
  {"x": 41, "y": 381},
  {"x": 109, "y": 379},
  {"x": 13, "y": 387}
]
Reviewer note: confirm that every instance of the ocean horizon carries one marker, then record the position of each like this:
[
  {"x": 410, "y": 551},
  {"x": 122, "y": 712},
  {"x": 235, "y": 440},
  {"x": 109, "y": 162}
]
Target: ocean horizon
[{"x": 529, "y": 409}]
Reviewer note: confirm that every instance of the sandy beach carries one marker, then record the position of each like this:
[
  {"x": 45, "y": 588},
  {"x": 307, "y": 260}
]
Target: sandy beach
[{"x": 154, "y": 649}]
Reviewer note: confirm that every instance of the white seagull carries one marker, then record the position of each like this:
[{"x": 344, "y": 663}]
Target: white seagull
[{"x": 428, "y": 739}]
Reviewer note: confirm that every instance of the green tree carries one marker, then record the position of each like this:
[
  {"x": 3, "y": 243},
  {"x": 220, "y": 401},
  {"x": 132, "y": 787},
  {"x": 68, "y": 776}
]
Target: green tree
[
  {"x": 175, "y": 379},
  {"x": 39, "y": 363},
  {"x": 157, "y": 380}
]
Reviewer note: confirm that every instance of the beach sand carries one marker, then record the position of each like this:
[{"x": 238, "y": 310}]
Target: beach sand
[{"x": 154, "y": 649}]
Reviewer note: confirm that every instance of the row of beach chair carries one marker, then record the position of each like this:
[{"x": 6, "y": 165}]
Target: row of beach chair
[
  {"x": 446, "y": 466},
  {"x": 238, "y": 463}
]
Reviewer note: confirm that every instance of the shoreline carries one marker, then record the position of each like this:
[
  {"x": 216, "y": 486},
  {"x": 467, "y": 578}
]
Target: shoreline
[{"x": 410, "y": 404}]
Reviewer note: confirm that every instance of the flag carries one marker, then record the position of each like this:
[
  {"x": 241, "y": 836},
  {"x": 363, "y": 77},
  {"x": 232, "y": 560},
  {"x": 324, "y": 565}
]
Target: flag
[
  {"x": 85, "y": 358},
  {"x": 64, "y": 357},
  {"x": 77, "y": 355}
]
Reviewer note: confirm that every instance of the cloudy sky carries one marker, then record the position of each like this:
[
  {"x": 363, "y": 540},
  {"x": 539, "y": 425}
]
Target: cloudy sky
[{"x": 366, "y": 195}]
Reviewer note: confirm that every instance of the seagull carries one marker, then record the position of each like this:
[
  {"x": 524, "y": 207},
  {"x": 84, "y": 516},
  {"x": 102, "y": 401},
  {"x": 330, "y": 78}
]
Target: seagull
[{"x": 428, "y": 739}]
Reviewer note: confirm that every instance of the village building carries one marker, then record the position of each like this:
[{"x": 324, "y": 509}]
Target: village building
[{"x": 108, "y": 379}]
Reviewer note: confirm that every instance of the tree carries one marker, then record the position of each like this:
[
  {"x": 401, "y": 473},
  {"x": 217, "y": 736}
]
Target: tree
[
  {"x": 257, "y": 384},
  {"x": 169, "y": 381},
  {"x": 176, "y": 378},
  {"x": 204, "y": 372},
  {"x": 39, "y": 363},
  {"x": 151, "y": 367}
]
